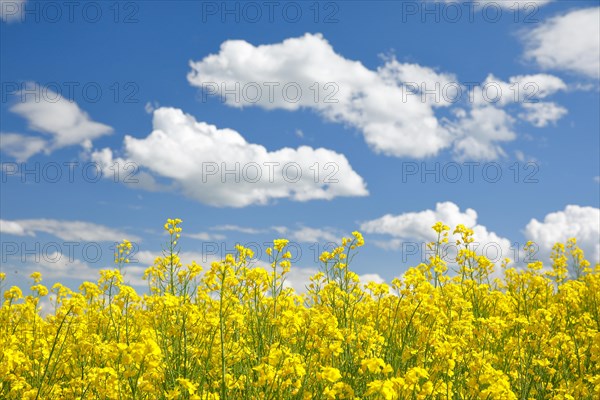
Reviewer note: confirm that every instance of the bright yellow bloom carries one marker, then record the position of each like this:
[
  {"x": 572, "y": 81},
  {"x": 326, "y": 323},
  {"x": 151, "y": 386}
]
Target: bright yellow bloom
[
  {"x": 444, "y": 328},
  {"x": 329, "y": 374}
]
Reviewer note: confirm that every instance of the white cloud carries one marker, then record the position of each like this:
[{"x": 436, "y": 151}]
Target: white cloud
[
  {"x": 134, "y": 275},
  {"x": 417, "y": 225},
  {"x": 60, "y": 118},
  {"x": 302, "y": 234},
  {"x": 65, "y": 230},
  {"x": 392, "y": 106},
  {"x": 237, "y": 228},
  {"x": 366, "y": 278},
  {"x": 57, "y": 265},
  {"x": 151, "y": 106},
  {"x": 196, "y": 157},
  {"x": 520, "y": 89},
  {"x": 582, "y": 223},
  {"x": 479, "y": 132},
  {"x": 567, "y": 42},
  {"x": 11, "y": 10},
  {"x": 146, "y": 258},
  {"x": 414, "y": 228},
  {"x": 389, "y": 244},
  {"x": 205, "y": 236},
  {"x": 299, "y": 277},
  {"x": 543, "y": 113},
  {"x": 419, "y": 79},
  {"x": 597, "y": 179},
  {"x": 309, "y": 235},
  {"x": 63, "y": 119},
  {"x": 128, "y": 171},
  {"x": 524, "y": 158},
  {"x": 391, "y": 121},
  {"x": 21, "y": 147},
  {"x": 13, "y": 228}
]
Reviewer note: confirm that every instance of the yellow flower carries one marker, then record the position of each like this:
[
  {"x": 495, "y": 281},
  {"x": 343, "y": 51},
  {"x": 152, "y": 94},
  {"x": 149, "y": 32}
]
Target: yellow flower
[
  {"x": 13, "y": 293},
  {"x": 329, "y": 374},
  {"x": 375, "y": 365},
  {"x": 36, "y": 276},
  {"x": 279, "y": 244},
  {"x": 240, "y": 331},
  {"x": 359, "y": 238}
]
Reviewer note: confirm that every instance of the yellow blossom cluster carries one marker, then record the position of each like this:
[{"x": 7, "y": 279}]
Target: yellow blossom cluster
[{"x": 234, "y": 331}]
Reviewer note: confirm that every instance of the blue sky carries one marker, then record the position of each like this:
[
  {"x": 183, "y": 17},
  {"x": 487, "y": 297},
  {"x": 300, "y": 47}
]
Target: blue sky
[{"x": 167, "y": 94}]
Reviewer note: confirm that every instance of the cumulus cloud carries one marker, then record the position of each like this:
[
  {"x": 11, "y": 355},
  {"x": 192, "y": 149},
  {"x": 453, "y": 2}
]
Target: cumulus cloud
[
  {"x": 521, "y": 89},
  {"x": 414, "y": 228},
  {"x": 65, "y": 230},
  {"x": 391, "y": 121},
  {"x": 392, "y": 106},
  {"x": 417, "y": 225},
  {"x": 419, "y": 80},
  {"x": 53, "y": 115},
  {"x": 220, "y": 168},
  {"x": 542, "y": 114},
  {"x": 575, "y": 221},
  {"x": 127, "y": 171},
  {"x": 480, "y": 131},
  {"x": 567, "y": 42}
]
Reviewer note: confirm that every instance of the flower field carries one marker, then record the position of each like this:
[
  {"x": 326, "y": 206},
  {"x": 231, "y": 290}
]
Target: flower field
[{"x": 232, "y": 331}]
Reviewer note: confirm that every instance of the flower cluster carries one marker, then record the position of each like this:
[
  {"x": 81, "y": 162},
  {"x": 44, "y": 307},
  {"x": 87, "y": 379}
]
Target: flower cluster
[{"x": 234, "y": 331}]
